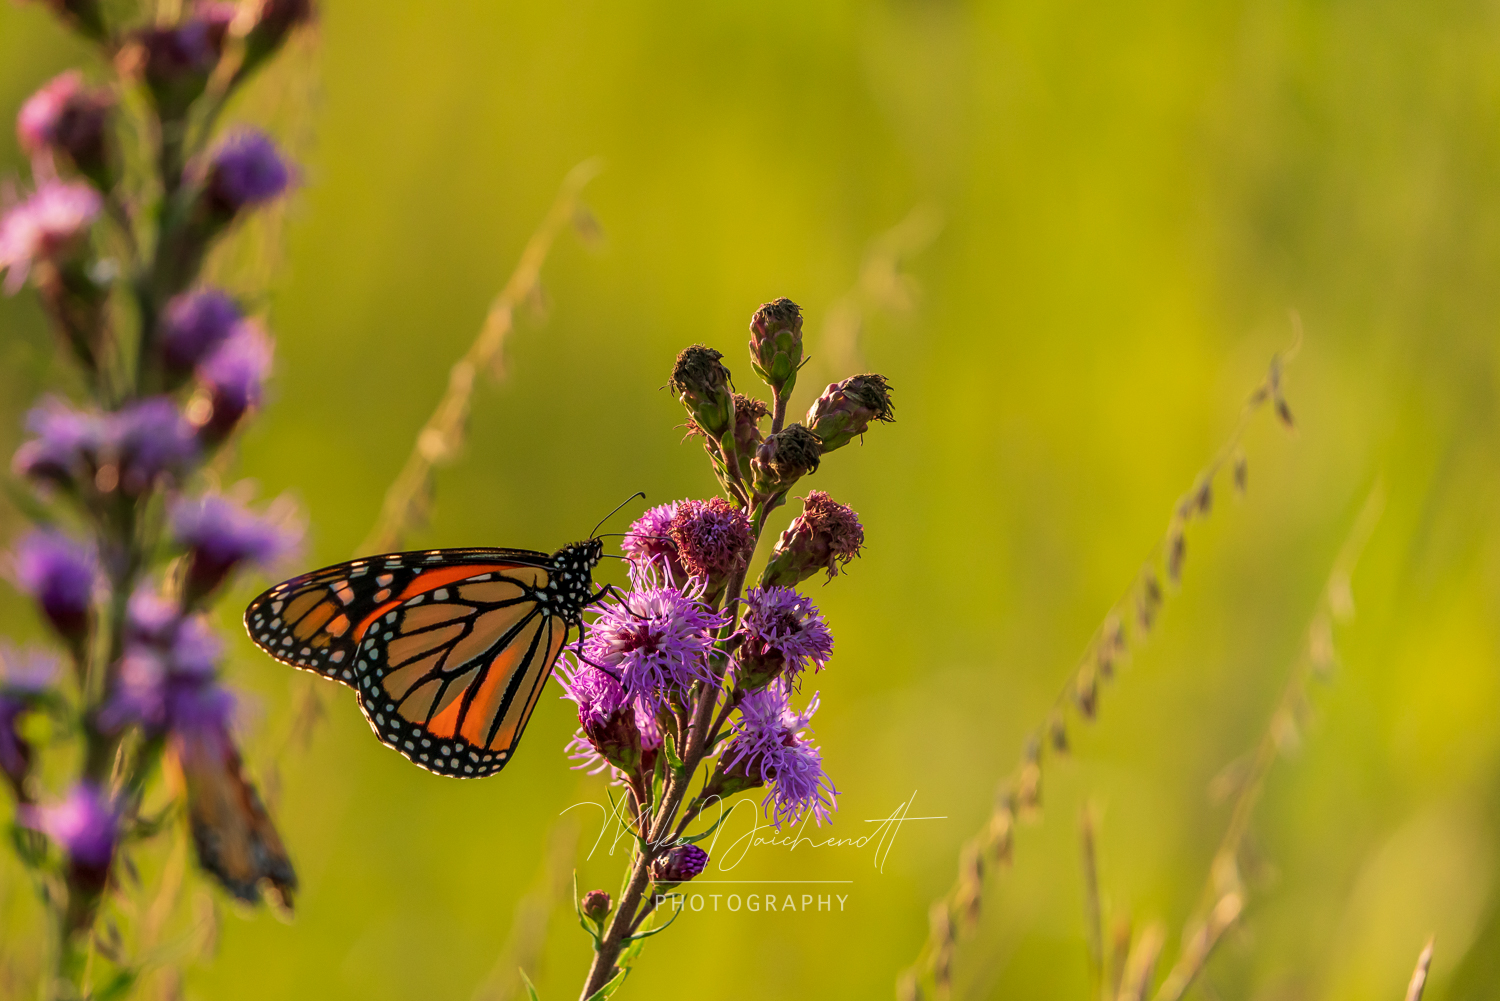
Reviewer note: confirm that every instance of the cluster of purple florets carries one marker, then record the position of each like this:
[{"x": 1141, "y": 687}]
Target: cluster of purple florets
[
  {"x": 636, "y": 669},
  {"x": 116, "y": 467}
]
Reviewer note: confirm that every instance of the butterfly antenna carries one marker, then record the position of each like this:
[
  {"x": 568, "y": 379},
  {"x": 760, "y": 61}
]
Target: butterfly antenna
[{"x": 639, "y": 493}]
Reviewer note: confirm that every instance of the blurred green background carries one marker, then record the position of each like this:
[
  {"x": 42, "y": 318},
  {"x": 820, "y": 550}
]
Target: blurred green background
[{"x": 1116, "y": 206}]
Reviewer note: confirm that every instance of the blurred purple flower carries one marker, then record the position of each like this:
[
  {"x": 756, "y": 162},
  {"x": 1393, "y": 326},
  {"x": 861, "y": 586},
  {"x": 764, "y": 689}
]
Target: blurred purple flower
[
  {"x": 235, "y": 375},
  {"x": 85, "y": 824},
  {"x": 193, "y": 326},
  {"x": 680, "y": 864},
  {"x": 67, "y": 442},
  {"x": 45, "y": 226},
  {"x": 246, "y": 170},
  {"x": 712, "y": 539},
  {"x": 176, "y": 60},
  {"x": 166, "y": 679},
  {"x": 220, "y": 535},
  {"x": 59, "y": 574},
  {"x": 65, "y": 116},
  {"x": 24, "y": 677},
  {"x": 782, "y": 633},
  {"x": 768, "y": 744},
  {"x": 150, "y": 438},
  {"x": 658, "y": 639},
  {"x": 652, "y": 550}
]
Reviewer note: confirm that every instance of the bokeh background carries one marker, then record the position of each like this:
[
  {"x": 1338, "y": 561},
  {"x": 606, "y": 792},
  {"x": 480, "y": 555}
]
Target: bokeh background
[{"x": 1102, "y": 216}]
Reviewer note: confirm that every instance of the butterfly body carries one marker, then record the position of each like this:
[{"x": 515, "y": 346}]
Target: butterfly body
[{"x": 448, "y": 650}]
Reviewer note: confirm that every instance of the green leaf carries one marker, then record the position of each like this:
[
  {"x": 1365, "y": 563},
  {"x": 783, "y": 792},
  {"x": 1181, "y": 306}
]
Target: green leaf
[
  {"x": 693, "y": 839},
  {"x": 530, "y": 987},
  {"x": 608, "y": 989}
]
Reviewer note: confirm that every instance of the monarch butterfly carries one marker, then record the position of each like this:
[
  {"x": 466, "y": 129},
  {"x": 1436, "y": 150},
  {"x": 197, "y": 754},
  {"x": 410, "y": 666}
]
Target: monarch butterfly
[{"x": 448, "y": 650}]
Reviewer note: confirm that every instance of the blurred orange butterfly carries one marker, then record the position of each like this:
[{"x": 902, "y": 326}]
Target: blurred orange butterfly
[{"x": 448, "y": 650}]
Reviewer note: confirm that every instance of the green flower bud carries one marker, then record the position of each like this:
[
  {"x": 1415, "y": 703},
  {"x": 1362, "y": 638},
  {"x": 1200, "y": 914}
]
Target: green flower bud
[
  {"x": 776, "y": 345},
  {"x": 825, "y": 536},
  {"x": 595, "y": 905},
  {"x": 701, "y": 382},
  {"x": 783, "y": 458},
  {"x": 845, "y": 409}
]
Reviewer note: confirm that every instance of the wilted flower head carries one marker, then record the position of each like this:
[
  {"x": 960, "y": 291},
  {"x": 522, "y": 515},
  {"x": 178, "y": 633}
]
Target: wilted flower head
[
  {"x": 245, "y": 171},
  {"x": 59, "y": 574},
  {"x": 86, "y": 825},
  {"x": 193, "y": 325},
  {"x": 701, "y": 382},
  {"x": 651, "y": 548},
  {"x": 220, "y": 535},
  {"x": 65, "y": 117},
  {"x": 768, "y": 744},
  {"x": 845, "y": 409},
  {"x": 48, "y": 226},
  {"x": 776, "y": 344},
  {"x": 782, "y": 632},
  {"x": 24, "y": 677},
  {"x": 825, "y": 536},
  {"x": 712, "y": 539},
  {"x": 659, "y": 641},
  {"x": 785, "y": 457},
  {"x": 678, "y": 865},
  {"x": 234, "y": 376}
]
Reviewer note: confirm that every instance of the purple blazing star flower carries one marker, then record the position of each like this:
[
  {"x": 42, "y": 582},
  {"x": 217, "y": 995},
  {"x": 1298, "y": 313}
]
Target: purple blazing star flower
[
  {"x": 193, "y": 326},
  {"x": 66, "y": 445},
  {"x": 782, "y": 633},
  {"x": 658, "y": 639},
  {"x": 85, "y": 824},
  {"x": 59, "y": 574},
  {"x": 614, "y": 731},
  {"x": 66, "y": 117},
  {"x": 768, "y": 744},
  {"x": 45, "y": 226},
  {"x": 246, "y": 171},
  {"x": 235, "y": 375},
  {"x": 166, "y": 676},
  {"x": 680, "y": 864},
  {"x": 150, "y": 438},
  {"x": 652, "y": 550},
  {"x": 24, "y": 677},
  {"x": 221, "y": 535},
  {"x": 712, "y": 538}
]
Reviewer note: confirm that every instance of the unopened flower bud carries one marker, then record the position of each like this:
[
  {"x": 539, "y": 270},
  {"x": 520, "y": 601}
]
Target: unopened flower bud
[
  {"x": 269, "y": 24},
  {"x": 845, "y": 409},
  {"x": 246, "y": 170},
  {"x": 776, "y": 344},
  {"x": 825, "y": 536},
  {"x": 678, "y": 865},
  {"x": 83, "y": 16},
  {"x": 68, "y": 119},
  {"x": 175, "y": 61},
  {"x": 596, "y": 905},
  {"x": 701, "y": 382},
  {"x": 748, "y": 413},
  {"x": 783, "y": 458}
]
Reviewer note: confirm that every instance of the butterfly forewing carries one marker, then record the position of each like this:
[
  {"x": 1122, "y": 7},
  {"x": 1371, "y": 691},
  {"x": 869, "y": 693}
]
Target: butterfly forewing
[{"x": 448, "y": 650}]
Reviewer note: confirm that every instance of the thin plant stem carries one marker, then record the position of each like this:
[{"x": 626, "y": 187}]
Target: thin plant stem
[
  {"x": 1112, "y": 640},
  {"x": 1419, "y": 975},
  {"x": 1224, "y": 891}
]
